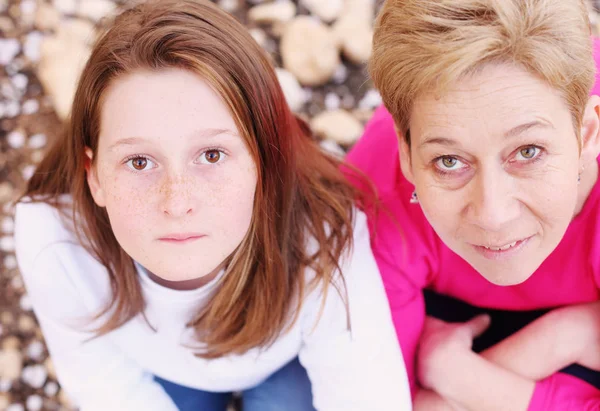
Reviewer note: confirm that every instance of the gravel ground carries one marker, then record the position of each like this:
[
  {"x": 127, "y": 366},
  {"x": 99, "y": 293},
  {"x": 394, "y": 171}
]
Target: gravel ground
[{"x": 39, "y": 39}]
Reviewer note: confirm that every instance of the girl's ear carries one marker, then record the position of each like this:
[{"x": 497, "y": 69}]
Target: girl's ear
[
  {"x": 590, "y": 132},
  {"x": 92, "y": 179},
  {"x": 405, "y": 162}
]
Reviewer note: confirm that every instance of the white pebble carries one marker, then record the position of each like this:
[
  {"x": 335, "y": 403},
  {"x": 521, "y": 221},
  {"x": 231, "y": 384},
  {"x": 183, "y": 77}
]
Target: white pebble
[
  {"x": 5, "y": 385},
  {"x": 35, "y": 350},
  {"x": 10, "y": 262},
  {"x": 27, "y": 172},
  {"x": 51, "y": 389},
  {"x": 229, "y": 5},
  {"x": 66, "y": 6},
  {"x": 341, "y": 74},
  {"x": 332, "y": 147},
  {"x": 20, "y": 81},
  {"x": 371, "y": 99},
  {"x": 17, "y": 282},
  {"x": 15, "y": 407},
  {"x": 7, "y": 244},
  {"x": 12, "y": 109},
  {"x": 37, "y": 141},
  {"x": 33, "y": 45},
  {"x": 9, "y": 91},
  {"x": 34, "y": 403},
  {"x": 16, "y": 139},
  {"x": 8, "y": 225},
  {"x": 28, "y": 6},
  {"x": 30, "y": 106},
  {"x": 25, "y": 302},
  {"x": 332, "y": 101},
  {"x": 9, "y": 48},
  {"x": 34, "y": 375}
]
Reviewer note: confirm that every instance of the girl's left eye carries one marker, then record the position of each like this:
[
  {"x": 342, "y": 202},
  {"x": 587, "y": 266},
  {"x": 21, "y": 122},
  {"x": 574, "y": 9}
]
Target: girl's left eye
[
  {"x": 528, "y": 153},
  {"x": 212, "y": 156}
]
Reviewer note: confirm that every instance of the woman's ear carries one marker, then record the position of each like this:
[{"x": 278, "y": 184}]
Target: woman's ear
[
  {"x": 405, "y": 160},
  {"x": 590, "y": 132},
  {"x": 92, "y": 179}
]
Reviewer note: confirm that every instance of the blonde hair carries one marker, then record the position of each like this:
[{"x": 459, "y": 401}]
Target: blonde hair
[{"x": 425, "y": 45}]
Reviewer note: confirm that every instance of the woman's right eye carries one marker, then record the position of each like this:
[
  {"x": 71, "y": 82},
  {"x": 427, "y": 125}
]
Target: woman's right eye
[{"x": 140, "y": 163}]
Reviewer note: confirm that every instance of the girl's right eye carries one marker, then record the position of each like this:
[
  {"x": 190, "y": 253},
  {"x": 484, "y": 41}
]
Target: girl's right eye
[{"x": 140, "y": 163}]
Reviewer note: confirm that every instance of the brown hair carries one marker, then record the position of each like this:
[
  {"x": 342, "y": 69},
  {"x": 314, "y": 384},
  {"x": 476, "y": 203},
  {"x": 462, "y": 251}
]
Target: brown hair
[
  {"x": 301, "y": 193},
  {"x": 425, "y": 45}
]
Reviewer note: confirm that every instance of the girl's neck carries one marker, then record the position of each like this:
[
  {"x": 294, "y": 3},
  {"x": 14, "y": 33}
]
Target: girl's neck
[{"x": 186, "y": 284}]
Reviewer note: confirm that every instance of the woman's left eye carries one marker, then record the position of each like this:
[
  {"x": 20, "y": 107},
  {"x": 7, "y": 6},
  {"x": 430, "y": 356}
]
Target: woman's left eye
[
  {"x": 528, "y": 153},
  {"x": 213, "y": 156}
]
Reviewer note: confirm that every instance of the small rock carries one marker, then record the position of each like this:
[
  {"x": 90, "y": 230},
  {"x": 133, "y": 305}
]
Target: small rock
[
  {"x": 309, "y": 51},
  {"x": 33, "y": 45},
  {"x": 61, "y": 62},
  {"x": 51, "y": 389},
  {"x": 66, "y": 6},
  {"x": 6, "y": 24},
  {"x": 26, "y": 303},
  {"x": 16, "y": 139},
  {"x": 294, "y": 95},
  {"x": 17, "y": 283},
  {"x": 10, "y": 262},
  {"x": 12, "y": 109},
  {"x": 11, "y": 364},
  {"x": 371, "y": 99},
  {"x": 37, "y": 156},
  {"x": 30, "y": 106},
  {"x": 6, "y": 192},
  {"x": 34, "y": 403},
  {"x": 96, "y": 9},
  {"x": 327, "y": 11},
  {"x": 26, "y": 325},
  {"x": 7, "y": 244},
  {"x": 27, "y": 172},
  {"x": 9, "y": 48},
  {"x": 332, "y": 101},
  {"x": 28, "y": 8},
  {"x": 354, "y": 30},
  {"x": 229, "y": 5},
  {"x": 20, "y": 81},
  {"x": 35, "y": 350},
  {"x": 37, "y": 141},
  {"x": 259, "y": 36},
  {"x": 348, "y": 101},
  {"x": 34, "y": 375},
  {"x": 338, "y": 125},
  {"x": 50, "y": 368},
  {"x": 279, "y": 11},
  {"x": 15, "y": 407},
  {"x": 7, "y": 318},
  {"x": 5, "y": 385},
  {"x": 4, "y": 401},
  {"x": 333, "y": 148},
  {"x": 8, "y": 225},
  {"x": 47, "y": 17},
  {"x": 341, "y": 74}
]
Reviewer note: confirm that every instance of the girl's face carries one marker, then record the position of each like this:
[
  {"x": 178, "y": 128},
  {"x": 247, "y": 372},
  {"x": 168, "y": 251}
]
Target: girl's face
[
  {"x": 495, "y": 162},
  {"x": 173, "y": 172}
]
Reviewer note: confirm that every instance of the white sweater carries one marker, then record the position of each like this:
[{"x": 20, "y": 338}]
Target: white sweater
[{"x": 361, "y": 369}]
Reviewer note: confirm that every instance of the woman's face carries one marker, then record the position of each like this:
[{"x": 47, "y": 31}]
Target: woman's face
[
  {"x": 175, "y": 176},
  {"x": 495, "y": 162}
]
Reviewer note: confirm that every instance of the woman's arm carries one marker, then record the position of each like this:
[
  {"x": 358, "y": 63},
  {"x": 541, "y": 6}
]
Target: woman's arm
[{"x": 354, "y": 362}]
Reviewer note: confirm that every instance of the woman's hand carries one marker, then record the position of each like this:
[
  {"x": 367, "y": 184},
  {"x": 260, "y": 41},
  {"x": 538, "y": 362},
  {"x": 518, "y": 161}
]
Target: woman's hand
[{"x": 444, "y": 348}]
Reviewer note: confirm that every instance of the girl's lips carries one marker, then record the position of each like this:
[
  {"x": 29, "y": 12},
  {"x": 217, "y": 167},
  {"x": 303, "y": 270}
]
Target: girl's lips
[
  {"x": 180, "y": 238},
  {"x": 502, "y": 252}
]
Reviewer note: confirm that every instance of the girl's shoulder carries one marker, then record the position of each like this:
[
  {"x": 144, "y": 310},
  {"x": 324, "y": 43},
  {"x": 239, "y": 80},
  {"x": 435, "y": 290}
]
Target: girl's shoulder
[{"x": 40, "y": 225}]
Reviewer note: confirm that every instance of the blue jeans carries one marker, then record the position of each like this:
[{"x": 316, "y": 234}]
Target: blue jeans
[{"x": 288, "y": 389}]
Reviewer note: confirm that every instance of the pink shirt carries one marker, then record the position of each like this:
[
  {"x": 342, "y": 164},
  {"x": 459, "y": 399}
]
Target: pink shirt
[{"x": 411, "y": 257}]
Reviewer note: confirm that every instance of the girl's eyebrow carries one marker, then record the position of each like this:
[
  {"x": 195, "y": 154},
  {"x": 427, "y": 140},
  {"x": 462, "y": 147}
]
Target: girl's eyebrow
[{"x": 200, "y": 134}]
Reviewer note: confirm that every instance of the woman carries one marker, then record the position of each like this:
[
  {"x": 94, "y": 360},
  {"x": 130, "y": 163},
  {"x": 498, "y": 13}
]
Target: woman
[{"x": 486, "y": 164}]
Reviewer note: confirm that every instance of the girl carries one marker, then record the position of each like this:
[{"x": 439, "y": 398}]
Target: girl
[
  {"x": 487, "y": 155},
  {"x": 187, "y": 239}
]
